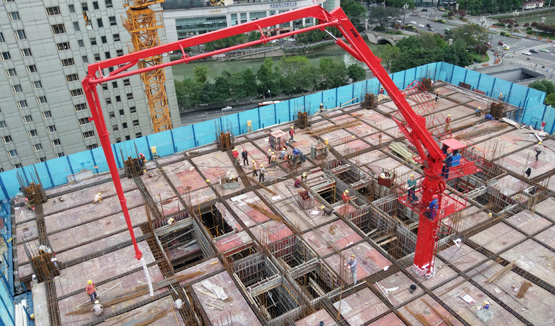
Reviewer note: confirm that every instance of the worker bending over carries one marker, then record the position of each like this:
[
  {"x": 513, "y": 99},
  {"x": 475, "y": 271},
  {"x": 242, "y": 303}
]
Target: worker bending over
[
  {"x": 97, "y": 198},
  {"x": 345, "y": 197},
  {"x": 97, "y": 308}
]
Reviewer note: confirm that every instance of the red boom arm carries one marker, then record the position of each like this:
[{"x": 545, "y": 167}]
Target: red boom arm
[{"x": 414, "y": 129}]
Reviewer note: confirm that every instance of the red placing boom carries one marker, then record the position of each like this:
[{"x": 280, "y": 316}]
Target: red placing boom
[{"x": 415, "y": 128}]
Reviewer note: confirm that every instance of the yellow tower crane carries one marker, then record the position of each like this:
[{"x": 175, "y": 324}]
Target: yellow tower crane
[{"x": 143, "y": 24}]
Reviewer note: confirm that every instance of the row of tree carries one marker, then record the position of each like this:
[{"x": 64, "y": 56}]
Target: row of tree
[
  {"x": 546, "y": 86},
  {"x": 478, "y": 7},
  {"x": 291, "y": 75}
]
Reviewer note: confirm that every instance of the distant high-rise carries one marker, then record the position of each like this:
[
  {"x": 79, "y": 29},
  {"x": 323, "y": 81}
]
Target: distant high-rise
[{"x": 44, "y": 53}]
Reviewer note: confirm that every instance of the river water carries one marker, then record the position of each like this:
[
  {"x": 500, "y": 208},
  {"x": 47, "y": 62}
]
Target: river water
[{"x": 215, "y": 68}]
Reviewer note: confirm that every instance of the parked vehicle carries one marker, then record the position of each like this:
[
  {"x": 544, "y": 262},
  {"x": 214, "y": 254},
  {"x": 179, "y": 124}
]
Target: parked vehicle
[
  {"x": 506, "y": 47},
  {"x": 533, "y": 51},
  {"x": 526, "y": 53}
]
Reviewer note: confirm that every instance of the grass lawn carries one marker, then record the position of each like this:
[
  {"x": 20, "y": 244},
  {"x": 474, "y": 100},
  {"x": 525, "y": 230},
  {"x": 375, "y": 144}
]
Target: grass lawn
[{"x": 478, "y": 57}]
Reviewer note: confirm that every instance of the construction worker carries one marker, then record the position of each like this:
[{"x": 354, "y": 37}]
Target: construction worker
[
  {"x": 500, "y": 97},
  {"x": 345, "y": 197},
  {"x": 142, "y": 160},
  {"x": 291, "y": 134},
  {"x": 297, "y": 183},
  {"x": 411, "y": 188},
  {"x": 303, "y": 176},
  {"x": 381, "y": 90},
  {"x": 489, "y": 117},
  {"x": 97, "y": 308},
  {"x": 269, "y": 155},
  {"x": 273, "y": 160},
  {"x": 479, "y": 111},
  {"x": 538, "y": 149},
  {"x": 321, "y": 107},
  {"x": 432, "y": 208},
  {"x": 91, "y": 290},
  {"x": 262, "y": 171},
  {"x": 254, "y": 169},
  {"x": 29, "y": 205},
  {"x": 97, "y": 198},
  {"x": 235, "y": 154},
  {"x": 448, "y": 122},
  {"x": 352, "y": 265},
  {"x": 447, "y": 163},
  {"x": 282, "y": 153},
  {"x": 245, "y": 156}
]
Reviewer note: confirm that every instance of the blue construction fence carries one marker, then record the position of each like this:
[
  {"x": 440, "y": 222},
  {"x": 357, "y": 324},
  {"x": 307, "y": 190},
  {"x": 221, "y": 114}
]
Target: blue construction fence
[
  {"x": 55, "y": 172},
  {"x": 7, "y": 300}
]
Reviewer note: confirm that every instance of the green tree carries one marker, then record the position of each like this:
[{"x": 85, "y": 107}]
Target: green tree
[
  {"x": 473, "y": 35},
  {"x": 543, "y": 85},
  {"x": 188, "y": 92},
  {"x": 248, "y": 82},
  {"x": 253, "y": 36},
  {"x": 222, "y": 90},
  {"x": 356, "y": 13},
  {"x": 457, "y": 54},
  {"x": 550, "y": 99},
  {"x": 334, "y": 74},
  {"x": 292, "y": 69},
  {"x": 268, "y": 78},
  {"x": 200, "y": 74},
  {"x": 399, "y": 3},
  {"x": 356, "y": 72},
  {"x": 388, "y": 53}
]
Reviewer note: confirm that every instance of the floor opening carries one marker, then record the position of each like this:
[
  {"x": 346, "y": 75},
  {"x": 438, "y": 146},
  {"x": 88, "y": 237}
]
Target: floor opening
[
  {"x": 330, "y": 195},
  {"x": 254, "y": 269},
  {"x": 319, "y": 282},
  {"x": 291, "y": 252},
  {"x": 214, "y": 222},
  {"x": 277, "y": 301}
]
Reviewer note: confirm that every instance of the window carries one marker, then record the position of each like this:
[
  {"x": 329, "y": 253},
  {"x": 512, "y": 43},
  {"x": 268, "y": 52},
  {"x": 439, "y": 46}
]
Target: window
[
  {"x": 108, "y": 3},
  {"x": 56, "y": 143},
  {"x": 126, "y": 82},
  {"x": 84, "y": 6},
  {"x": 105, "y": 87},
  {"x": 97, "y": 56},
  {"x": 107, "y": 54},
  {"x": 88, "y": 134},
  {"x": 121, "y": 112},
  {"x": 22, "y": 104},
  {"x": 71, "y": 8},
  {"x": 12, "y": 153},
  {"x": 11, "y": 72},
  {"x": 27, "y": 119},
  {"x": 26, "y": 52},
  {"x": 135, "y": 123},
  {"x": 37, "y": 85},
  {"x": 76, "y": 92},
  {"x": 85, "y": 59},
  {"x": 6, "y": 56},
  {"x": 47, "y": 114},
  {"x": 60, "y": 154},
  {"x": 32, "y": 133},
  {"x": 51, "y": 128},
  {"x": 58, "y": 29},
  {"x": 127, "y": 137},
  {"x": 17, "y": 89},
  {"x": 32, "y": 69},
  {"x": 6, "y": 1},
  {"x": 72, "y": 77},
  {"x": 118, "y": 98},
  {"x": 7, "y": 139},
  {"x": 52, "y": 11},
  {"x": 129, "y": 96},
  {"x": 92, "y": 146},
  {"x": 99, "y": 22},
  {"x": 93, "y": 40},
  {"x": 139, "y": 135},
  {"x": 95, "y": 4},
  {"x": 119, "y": 53},
  {"x": 81, "y": 43},
  {"x": 68, "y": 62},
  {"x": 37, "y": 147},
  {"x": 84, "y": 121},
  {"x": 112, "y": 115},
  {"x": 2, "y": 40},
  {"x": 2, "y": 124},
  {"x": 14, "y": 15},
  {"x": 113, "y": 21},
  {"x": 115, "y": 127},
  {"x": 115, "y": 84},
  {"x": 20, "y": 35},
  {"x": 41, "y": 100},
  {"x": 17, "y": 166},
  {"x": 41, "y": 159},
  {"x": 103, "y": 39},
  {"x": 118, "y": 140},
  {"x": 76, "y": 26},
  {"x": 108, "y": 101},
  {"x": 63, "y": 46},
  {"x": 116, "y": 37},
  {"x": 80, "y": 107},
  {"x": 124, "y": 125},
  {"x": 132, "y": 109}
]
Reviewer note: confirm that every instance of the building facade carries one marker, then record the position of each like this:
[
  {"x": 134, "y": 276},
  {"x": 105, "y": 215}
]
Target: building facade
[
  {"x": 45, "y": 47},
  {"x": 187, "y": 18}
]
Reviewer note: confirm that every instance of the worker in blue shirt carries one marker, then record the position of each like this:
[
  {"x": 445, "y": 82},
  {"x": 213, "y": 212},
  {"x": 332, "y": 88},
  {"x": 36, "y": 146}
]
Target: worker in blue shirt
[
  {"x": 352, "y": 265},
  {"x": 432, "y": 208},
  {"x": 447, "y": 163}
]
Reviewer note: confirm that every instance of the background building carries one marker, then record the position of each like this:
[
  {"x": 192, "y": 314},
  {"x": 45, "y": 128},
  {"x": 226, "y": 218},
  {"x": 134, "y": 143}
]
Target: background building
[
  {"x": 45, "y": 48},
  {"x": 191, "y": 17}
]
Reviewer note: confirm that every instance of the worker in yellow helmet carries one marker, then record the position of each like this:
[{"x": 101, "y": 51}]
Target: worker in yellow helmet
[
  {"x": 91, "y": 290},
  {"x": 97, "y": 198},
  {"x": 539, "y": 149},
  {"x": 345, "y": 197},
  {"x": 479, "y": 111},
  {"x": 262, "y": 170}
]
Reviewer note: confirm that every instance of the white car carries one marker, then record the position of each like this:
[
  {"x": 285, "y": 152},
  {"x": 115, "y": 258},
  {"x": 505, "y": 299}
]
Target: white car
[
  {"x": 526, "y": 53},
  {"x": 421, "y": 25},
  {"x": 412, "y": 22}
]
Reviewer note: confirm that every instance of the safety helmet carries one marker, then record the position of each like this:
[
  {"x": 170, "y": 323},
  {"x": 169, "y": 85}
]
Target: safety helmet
[
  {"x": 96, "y": 301},
  {"x": 479, "y": 107},
  {"x": 449, "y": 150},
  {"x": 346, "y": 191},
  {"x": 434, "y": 196},
  {"x": 89, "y": 282},
  {"x": 353, "y": 256},
  {"x": 261, "y": 165},
  {"x": 291, "y": 127},
  {"x": 412, "y": 175},
  {"x": 99, "y": 194},
  {"x": 539, "y": 143},
  {"x": 448, "y": 115},
  {"x": 253, "y": 161}
]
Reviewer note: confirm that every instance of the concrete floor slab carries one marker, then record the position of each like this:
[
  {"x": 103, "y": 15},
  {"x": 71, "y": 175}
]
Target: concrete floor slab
[
  {"x": 545, "y": 208},
  {"x": 498, "y": 237},
  {"x": 419, "y": 307},
  {"x": 509, "y": 185},
  {"x": 360, "y": 307},
  {"x": 233, "y": 242},
  {"x": 207, "y": 268},
  {"x": 389, "y": 320},
  {"x": 249, "y": 216},
  {"x": 171, "y": 317},
  {"x": 271, "y": 232},
  {"x": 461, "y": 257},
  {"x": 315, "y": 319},
  {"x": 527, "y": 222},
  {"x": 533, "y": 258},
  {"x": 369, "y": 261},
  {"x": 525, "y": 158},
  {"x": 336, "y": 234},
  {"x": 547, "y": 237},
  {"x": 396, "y": 288},
  {"x": 444, "y": 273},
  {"x": 232, "y": 311}
]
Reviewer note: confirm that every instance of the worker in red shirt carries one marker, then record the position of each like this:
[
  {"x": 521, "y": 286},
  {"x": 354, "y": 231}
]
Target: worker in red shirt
[
  {"x": 235, "y": 154},
  {"x": 345, "y": 197},
  {"x": 91, "y": 290},
  {"x": 291, "y": 133}
]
